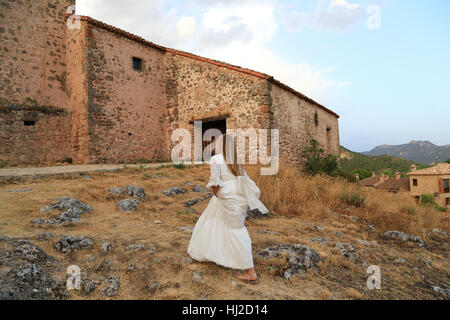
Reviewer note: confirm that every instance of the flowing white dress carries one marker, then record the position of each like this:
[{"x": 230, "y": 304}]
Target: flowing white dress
[{"x": 220, "y": 235}]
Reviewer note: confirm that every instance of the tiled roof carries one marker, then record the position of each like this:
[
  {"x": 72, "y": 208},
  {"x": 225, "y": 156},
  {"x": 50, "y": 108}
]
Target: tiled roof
[
  {"x": 440, "y": 168},
  {"x": 371, "y": 181},
  {"x": 394, "y": 184},
  {"x": 193, "y": 56}
]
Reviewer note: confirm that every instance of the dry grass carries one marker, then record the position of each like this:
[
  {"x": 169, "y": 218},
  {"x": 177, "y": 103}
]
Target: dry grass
[{"x": 298, "y": 203}]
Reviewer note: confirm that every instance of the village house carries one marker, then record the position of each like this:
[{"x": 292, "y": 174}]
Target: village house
[
  {"x": 92, "y": 93},
  {"x": 384, "y": 182},
  {"x": 433, "y": 180}
]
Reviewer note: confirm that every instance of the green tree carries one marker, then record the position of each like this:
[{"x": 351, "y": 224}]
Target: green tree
[
  {"x": 316, "y": 161},
  {"x": 447, "y": 161}
]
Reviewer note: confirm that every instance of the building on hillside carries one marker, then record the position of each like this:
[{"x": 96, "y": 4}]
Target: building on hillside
[
  {"x": 97, "y": 94},
  {"x": 394, "y": 184},
  {"x": 433, "y": 180},
  {"x": 372, "y": 181}
]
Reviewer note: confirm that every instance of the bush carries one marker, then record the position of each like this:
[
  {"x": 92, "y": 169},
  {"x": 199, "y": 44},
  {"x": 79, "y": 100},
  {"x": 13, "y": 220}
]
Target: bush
[
  {"x": 180, "y": 166},
  {"x": 315, "y": 160},
  {"x": 428, "y": 200},
  {"x": 353, "y": 198},
  {"x": 447, "y": 161}
]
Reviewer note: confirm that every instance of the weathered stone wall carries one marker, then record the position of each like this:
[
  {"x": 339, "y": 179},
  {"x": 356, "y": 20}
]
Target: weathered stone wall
[
  {"x": 77, "y": 92},
  {"x": 32, "y": 75},
  {"x": 295, "y": 119},
  {"x": 199, "y": 90},
  {"x": 126, "y": 107},
  {"x": 32, "y": 51},
  {"x": 44, "y": 142}
]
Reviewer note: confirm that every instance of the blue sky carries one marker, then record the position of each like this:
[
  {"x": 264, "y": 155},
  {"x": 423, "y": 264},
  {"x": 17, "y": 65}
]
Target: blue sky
[{"x": 390, "y": 84}]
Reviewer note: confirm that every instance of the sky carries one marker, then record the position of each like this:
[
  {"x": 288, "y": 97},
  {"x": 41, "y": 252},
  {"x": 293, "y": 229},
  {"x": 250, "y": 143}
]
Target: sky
[{"x": 382, "y": 65}]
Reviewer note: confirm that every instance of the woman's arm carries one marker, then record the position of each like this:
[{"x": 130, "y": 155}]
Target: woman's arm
[
  {"x": 214, "y": 180},
  {"x": 215, "y": 189}
]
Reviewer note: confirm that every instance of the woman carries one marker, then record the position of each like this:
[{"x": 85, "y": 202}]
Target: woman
[{"x": 220, "y": 235}]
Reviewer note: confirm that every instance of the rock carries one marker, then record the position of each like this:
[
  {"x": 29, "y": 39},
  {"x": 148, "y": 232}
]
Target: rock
[
  {"x": 186, "y": 261},
  {"x": 128, "y": 205},
  {"x": 428, "y": 262},
  {"x": 72, "y": 243},
  {"x": 19, "y": 191},
  {"x": 151, "y": 251},
  {"x": 132, "y": 191},
  {"x": 197, "y": 275},
  {"x": 157, "y": 222},
  {"x": 106, "y": 246},
  {"x": 346, "y": 249},
  {"x": 371, "y": 228},
  {"x": 321, "y": 241},
  {"x": 173, "y": 191},
  {"x": 437, "y": 234},
  {"x": 441, "y": 290},
  {"x": 186, "y": 229},
  {"x": 319, "y": 228},
  {"x": 68, "y": 202},
  {"x": 73, "y": 209},
  {"x": 367, "y": 243},
  {"x": 255, "y": 214},
  {"x": 135, "y": 247},
  {"x": 45, "y": 236},
  {"x": 300, "y": 257},
  {"x": 88, "y": 287},
  {"x": 399, "y": 261},
  {"x": 105, "y": 266},
  {"x": 405, "y": 237},
  {"x": 198, "y": 188},
  {"x": 153, "y": 286},
  {"x": 23, "y": 250},
  {"x": 131, "y": 267},
  {"x": 113, "y": 286}
]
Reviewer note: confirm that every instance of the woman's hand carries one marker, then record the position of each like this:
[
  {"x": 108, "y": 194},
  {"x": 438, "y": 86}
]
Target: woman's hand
[{"x": 215, "y": 189}]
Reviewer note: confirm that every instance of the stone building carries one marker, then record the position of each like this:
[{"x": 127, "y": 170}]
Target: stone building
[
  {"x": 433, "y": 180},
  {"x": 96, "y": 93}
]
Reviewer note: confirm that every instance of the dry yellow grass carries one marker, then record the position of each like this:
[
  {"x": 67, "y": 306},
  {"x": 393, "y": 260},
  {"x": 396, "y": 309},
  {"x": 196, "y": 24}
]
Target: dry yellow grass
[{"x": 298, "y": 203}]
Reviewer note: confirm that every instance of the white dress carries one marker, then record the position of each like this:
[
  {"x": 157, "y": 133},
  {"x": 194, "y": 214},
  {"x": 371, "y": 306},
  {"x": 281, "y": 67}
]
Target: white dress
[{"x": 220, "y": 235}]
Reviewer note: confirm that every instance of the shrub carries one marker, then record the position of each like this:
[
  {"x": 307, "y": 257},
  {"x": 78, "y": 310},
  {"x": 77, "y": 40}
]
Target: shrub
[
  {"x": 180, "y": 166},
  {"x": 447, "y": 161},
  {"x": 427, "y": 199},
  {"x": 316, "y": 161},
  {"x": 3, "y": 164},
  {"x": 353, "y": 198}
]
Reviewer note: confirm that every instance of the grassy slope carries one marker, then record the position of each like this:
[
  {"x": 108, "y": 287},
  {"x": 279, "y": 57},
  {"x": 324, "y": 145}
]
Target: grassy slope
[
  {"x": 351, "y": 161},
  {"x": 298, "y": 204}
]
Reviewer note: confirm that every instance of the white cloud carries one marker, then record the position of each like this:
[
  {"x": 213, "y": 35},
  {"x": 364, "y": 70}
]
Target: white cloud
[
  {"x": 186, "y": 26},
  {"x": 236, "y": 32},
  {"x": 339, "y": 15}
]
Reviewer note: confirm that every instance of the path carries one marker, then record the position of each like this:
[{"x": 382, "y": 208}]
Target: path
[{"x": 71, "y": 169}]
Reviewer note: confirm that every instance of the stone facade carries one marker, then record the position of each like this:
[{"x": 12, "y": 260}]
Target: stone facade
[
  {"x": 101, "y": 108},
  {"x": 432, "y": 181}
]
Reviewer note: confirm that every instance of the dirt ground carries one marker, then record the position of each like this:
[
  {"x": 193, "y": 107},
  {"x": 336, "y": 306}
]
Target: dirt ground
[{"x": 337, "y": 277}]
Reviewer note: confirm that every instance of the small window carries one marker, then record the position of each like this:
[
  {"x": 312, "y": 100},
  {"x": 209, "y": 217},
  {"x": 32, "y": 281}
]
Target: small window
[
  {"x": 446, "y": 186},
  {"x": 137, "y": 64},
  {"x": 29, "y": 123},
  {"x": 316, "y": 119},
  {"x": 447, "y": 201},
  {"x": 417, "y": 198},
  {"x": 415, "y": 182}
]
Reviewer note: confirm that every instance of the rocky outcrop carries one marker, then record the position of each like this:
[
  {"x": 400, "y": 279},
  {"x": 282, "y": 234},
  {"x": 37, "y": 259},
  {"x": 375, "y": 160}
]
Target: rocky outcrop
[
  {"x": 300, "y": 257},
  {"x": 173, "y": 191},
  {"x": 132, "y": 191},
  {"x": 72, "y": 243},
  {"x": 128, "y": 205},
  {"x": 72, "y": 210},
  {"x": 405, "y": 237}
]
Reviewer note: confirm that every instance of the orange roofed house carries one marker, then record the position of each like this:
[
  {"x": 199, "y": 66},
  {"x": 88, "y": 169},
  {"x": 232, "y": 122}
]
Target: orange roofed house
[
  {"x": 434, "y": 180},
  {"x": 384, "y": 182},
  {"x": 96, "y": 93}
]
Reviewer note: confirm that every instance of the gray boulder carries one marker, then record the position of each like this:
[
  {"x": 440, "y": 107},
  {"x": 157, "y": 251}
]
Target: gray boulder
[
  {"x": 173, "y": 191},
  {"x": 346, "y": 249},
  {"x": 405, "y": 237},
  {"x": 128, "y": 205},
  {"x": 132, "y": 191},
  {"x": 72, "y": 211},
  {"x": 72, "y": 243},
  {"x": 112, "y": 286},
  {"x": 300, "y": 257}
]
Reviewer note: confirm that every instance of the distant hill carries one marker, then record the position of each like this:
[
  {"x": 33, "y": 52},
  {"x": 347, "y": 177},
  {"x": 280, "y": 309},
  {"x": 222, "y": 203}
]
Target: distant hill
[
  {"x": 352, "y": 162},
  {"x": 419, "y": 151}
]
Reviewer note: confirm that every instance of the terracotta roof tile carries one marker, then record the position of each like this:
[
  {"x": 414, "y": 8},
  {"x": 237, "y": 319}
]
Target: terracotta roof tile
[
  {"x": 193, "y": 56},
  {"x": 371, "y": 181},
  {"x": 393, "y": 184},
  {"x": 440, "y": 168}
]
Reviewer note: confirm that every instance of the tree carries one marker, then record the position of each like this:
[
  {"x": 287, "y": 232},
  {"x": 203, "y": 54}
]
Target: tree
[
  {"x": 447, "y": 161},
  {"x": 316, "y": 161}
]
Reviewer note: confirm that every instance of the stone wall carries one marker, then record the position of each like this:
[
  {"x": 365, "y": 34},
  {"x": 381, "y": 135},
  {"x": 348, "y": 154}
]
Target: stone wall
[
  {"x": 33, "y": 134},
  {"x": 126, "y": 107},
  {"x": 197, "y": 89},
  {"x": 295, "y": 118},
  {"x": 32, "y": 51}
]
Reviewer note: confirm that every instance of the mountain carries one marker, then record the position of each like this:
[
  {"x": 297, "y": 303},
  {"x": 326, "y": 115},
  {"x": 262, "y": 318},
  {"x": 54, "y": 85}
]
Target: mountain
[
  {"x": 419, "y": 151},
  {"x": 351, "y": 162}
]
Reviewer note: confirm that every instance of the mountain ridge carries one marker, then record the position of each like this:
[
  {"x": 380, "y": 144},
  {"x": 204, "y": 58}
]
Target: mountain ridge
[{"x": 424, "y": 152}]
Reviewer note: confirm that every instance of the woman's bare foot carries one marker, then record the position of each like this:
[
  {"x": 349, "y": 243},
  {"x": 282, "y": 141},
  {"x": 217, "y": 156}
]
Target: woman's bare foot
[{"x": 250, "y": 274}]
